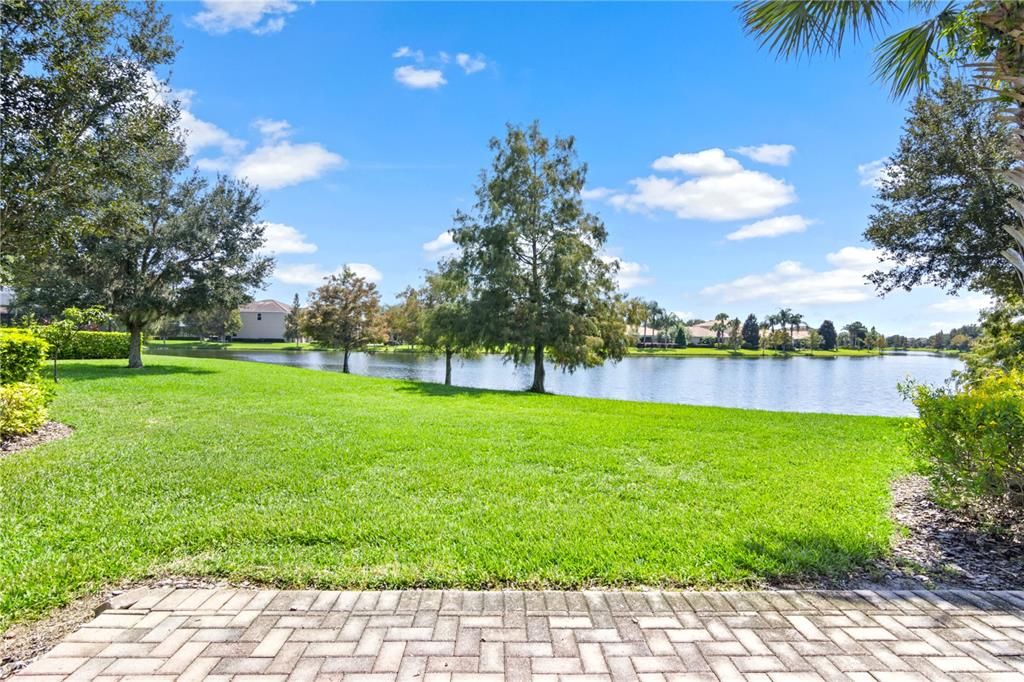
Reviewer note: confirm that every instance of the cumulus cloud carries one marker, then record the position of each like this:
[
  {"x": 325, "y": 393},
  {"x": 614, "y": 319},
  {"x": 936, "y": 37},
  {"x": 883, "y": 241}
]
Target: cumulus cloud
[
  {"x": 874, "y": 172},
  {"x": 366, "y": 271},
  {"x": 280, "y": 164},
  {"x": 792, "y": 283},
  {"x": 706, "y": 162},
  {"x": 470, "y": 64},
  {"x": 596, "y": 193},
  {"x": 771, "y": 227},
  {"x": 630, "y": 274},
  {"x": 259, "y": 17},
  {"x": 282, "y": 238},
  {"x": 722, "y": 189},
  {"x": 746, "y": 194},
  {"x": 970, "y": 304},
  {"x": 441, "y": 247},
  {"x": 771, "y": 154},
  {"x": 273, "y": 130},
  {"x": 310, "y": 274},
  {"x": 419, "y": 79}
]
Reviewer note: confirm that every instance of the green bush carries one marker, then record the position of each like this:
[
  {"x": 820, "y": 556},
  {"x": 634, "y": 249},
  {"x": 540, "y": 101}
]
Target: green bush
[
  {"x": 89, "y": 345},
  {"x": 22, "y": 408},
  {"x": 21, "y": 355},
  {"x": 972, "y": 440}
]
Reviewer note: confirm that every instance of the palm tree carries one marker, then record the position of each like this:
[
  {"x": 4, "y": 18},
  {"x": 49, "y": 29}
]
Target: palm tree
[
  {"x": 795, "y": 320},
  {"x": 783, "y": 318},
  {"x": 989, "y": 30},
  {"x": 719, "y": 327}
]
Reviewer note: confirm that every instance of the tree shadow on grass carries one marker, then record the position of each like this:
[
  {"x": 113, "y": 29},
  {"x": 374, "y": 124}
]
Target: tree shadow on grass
[
  {"x": 440, "y": 390},
  {"x": 805, "y": 559},
  {"x": 91, "y": 373}
]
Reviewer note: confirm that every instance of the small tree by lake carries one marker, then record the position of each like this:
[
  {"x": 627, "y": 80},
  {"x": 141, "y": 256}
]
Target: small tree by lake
[
  {"x": 445, "y": 323},
  {"x": 533, "y": 259},
  {"x": 751, "y": 332},
  {"x": 829, "y": 337},
  {"x": 813, "y": 340},
  {"x": 735, "y": 334},
  {"x": 344, "y": 314},
  {"x": 293, "y": 322}
]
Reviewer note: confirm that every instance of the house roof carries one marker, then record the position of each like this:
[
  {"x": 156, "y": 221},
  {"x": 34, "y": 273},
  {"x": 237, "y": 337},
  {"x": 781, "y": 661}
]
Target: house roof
[{"x": 265, "y": 306}]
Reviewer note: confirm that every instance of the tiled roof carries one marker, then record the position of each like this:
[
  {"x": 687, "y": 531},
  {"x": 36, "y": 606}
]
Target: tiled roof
[{"x": 267, "y": 306}]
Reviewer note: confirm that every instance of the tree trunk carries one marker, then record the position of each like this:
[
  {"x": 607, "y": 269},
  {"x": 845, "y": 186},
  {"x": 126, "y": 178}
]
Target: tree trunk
[
  {"x": 538, "y": 368},
  {"x": 344, "y": 364},
  {"x": 448, "y": 366},
  {"x": 55, "y": 354},
  {"x": 135, "y": 347}
]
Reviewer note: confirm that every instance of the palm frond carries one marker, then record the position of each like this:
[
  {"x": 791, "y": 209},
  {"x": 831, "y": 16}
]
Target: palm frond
[
  {"x": 791, "y": 28},
  {"x": 903, "y": 60}
]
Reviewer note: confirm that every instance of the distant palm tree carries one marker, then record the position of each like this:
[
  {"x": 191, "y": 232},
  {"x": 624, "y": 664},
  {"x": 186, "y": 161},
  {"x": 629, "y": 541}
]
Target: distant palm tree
[
  {"x": 795, "y": 320},
  {"x": 719, "y": 327}
]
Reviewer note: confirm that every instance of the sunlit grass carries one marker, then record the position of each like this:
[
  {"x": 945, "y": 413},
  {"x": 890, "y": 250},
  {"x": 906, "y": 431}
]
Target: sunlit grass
[{"x": 300, "y": 477}]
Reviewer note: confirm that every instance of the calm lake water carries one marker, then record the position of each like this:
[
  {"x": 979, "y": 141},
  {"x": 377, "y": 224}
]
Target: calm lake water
[{"x": 845, "y": 385}]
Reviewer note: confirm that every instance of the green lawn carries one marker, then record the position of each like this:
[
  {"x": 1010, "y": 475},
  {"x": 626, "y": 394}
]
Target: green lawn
[{"x": 300, "y": 477}]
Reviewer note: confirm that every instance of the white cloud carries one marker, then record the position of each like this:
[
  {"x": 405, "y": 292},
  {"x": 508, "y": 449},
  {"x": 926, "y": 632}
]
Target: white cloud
[
  {"x": 407, "y": 52},
  {"x": 792, "y": 283},
  {"x": 706, "y": 162},
  {"x": 872, "y": 173},
  {"x": 366, "y": 271},
  {"x": 596, "y": 193},
  {"x": 631, "y": 275},
  {"x": 441, "y": 247},
  {"x": 282, "y": 238},
  {"x": 416, "y": 78},
  {"x": 310, "y": 274},
  {"x": 746, "y": 194},
  {"x": 273, "y": 130},
  {"x": 971, "y": 304},
  {"x": 771, "y": 227},
  {"x": 771, "y": 154},
  {"x": 281, "y": 164},
  {"x": 255, "y": 16},
  {"x": 470, "y": 64}
]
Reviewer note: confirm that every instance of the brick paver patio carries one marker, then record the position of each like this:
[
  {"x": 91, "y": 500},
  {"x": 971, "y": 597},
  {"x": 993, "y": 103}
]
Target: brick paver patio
[{"x": 189, "y": 634}]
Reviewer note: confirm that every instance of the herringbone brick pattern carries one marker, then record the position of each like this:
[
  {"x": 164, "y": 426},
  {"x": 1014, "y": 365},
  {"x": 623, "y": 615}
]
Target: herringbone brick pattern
[{"x": 186, "y": 634}]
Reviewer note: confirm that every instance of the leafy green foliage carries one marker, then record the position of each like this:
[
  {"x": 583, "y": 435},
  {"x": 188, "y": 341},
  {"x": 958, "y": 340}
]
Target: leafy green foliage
[
  {"x": 939, "y": 218},
  {"x": 1000, "y": 346},
  {"x": 62, "y": 333},
  {"x": 445, "y": 323},
  {"x": 293, "y": 322},
  {"x": 342, "y": 481},
  {"x": 972, "y": 440},
  {"x": 22, "y": 408},
  {"x": 532, "y": 256},
  {"x": 751, "y": 332},
  {"x": 177, "y": 244},
  {"x": 71, "y": 72},
  {"x": 344, "y": 313},
  {"x": 22, "y": 353},
  {"x": 89, "y": 345},
  {"x": 829, "y": 338}
]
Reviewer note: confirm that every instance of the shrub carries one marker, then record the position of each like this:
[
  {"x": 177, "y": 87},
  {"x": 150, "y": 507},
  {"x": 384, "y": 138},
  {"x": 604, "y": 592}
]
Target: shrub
[
  {"x": 972, "y": 440},
  {"x": 21, "y": 355},
  {"x": 85, "y": 345},
  {"x": 22, "y": 408}
]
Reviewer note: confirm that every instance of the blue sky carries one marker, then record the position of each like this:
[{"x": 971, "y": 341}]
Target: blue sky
[{"x": 728, "y": 181}]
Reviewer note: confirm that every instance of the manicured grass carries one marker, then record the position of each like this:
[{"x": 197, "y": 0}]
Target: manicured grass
[{"x": 300, "y": 477}]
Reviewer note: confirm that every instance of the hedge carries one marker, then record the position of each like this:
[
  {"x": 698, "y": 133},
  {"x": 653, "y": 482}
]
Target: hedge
[
  {"x": 22, "y": 408},
  {"x": 92, "y": 345},
  {"x": 21, "y": 355},
  {"x": 972, "y": 440}
]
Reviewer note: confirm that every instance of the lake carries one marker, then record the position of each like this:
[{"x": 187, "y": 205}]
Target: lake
[{"x": 844, "y": 385}]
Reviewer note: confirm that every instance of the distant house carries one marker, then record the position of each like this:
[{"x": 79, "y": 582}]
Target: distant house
[{"x": 263, "y": 320}]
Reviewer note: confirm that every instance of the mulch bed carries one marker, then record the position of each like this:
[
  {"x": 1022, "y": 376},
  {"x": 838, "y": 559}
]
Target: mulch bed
[
  {"x": 976, "y": 549},
  {"x": 49, "y": 431}
]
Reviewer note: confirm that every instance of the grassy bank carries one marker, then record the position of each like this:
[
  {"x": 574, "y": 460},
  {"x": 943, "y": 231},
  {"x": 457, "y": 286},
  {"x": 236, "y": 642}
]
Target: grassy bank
[
  {"x": 300, "y": 477},
  {"x": 704, "y": 351},
  {"x": 192, "y": 344}
]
